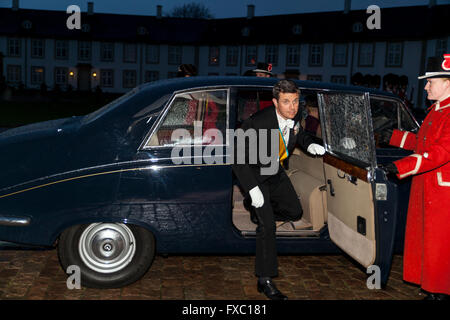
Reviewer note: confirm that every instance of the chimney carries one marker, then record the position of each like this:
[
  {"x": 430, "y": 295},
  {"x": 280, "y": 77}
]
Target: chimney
[
  {"x": 347, "y": 6},
  {"x": 90, "y": 8},
  {"x": 159, "y": 11},
  {"x": 432, "y": 3},
  {"x": 15, "y": 5},
  {"x": 250, "y": 11}
]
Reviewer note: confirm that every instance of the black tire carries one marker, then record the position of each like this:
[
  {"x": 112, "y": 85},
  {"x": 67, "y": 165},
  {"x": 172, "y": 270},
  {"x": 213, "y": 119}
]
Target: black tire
[{"x": 137, "y": 255}]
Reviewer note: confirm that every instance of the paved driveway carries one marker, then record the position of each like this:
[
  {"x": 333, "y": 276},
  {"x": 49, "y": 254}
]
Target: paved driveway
[{"x": 38, "y": 275}]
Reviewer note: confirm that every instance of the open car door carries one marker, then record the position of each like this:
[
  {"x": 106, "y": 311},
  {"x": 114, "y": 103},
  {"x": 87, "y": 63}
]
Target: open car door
[{"x": 361, "y": 201}]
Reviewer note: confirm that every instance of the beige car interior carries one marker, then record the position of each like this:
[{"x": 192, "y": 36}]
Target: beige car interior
[
  {"x": 307, "y": 177},
  {"x": 310, "y": 176}
]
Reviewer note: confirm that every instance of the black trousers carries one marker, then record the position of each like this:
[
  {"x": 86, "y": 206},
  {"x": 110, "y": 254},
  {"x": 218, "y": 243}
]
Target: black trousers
[{"x": 280, "y": 204}]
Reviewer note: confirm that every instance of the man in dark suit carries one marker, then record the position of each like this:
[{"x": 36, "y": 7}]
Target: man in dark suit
[{"x": 272, "y": 196}]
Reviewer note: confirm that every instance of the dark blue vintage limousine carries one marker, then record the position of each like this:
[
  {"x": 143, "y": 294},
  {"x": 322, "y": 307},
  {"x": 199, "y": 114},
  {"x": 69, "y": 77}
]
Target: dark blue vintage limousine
[{"x": 106, "y": 190}]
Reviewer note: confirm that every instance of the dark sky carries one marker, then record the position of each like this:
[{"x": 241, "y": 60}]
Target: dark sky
[{"x": 218, "y": 8}]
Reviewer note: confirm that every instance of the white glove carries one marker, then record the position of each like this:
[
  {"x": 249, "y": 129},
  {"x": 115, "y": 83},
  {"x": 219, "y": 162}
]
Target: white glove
[
  {"x": 316, "y": 149},
  {"x": 257, "y": 197},
  {"x": 348, "y": 143}
]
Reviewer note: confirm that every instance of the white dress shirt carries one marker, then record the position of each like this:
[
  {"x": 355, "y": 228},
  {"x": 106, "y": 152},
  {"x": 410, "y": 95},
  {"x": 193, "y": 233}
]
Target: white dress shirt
[{"x": 285, "y": 125}]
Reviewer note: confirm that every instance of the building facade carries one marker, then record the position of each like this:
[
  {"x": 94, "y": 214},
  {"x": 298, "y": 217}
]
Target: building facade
[{"x": 119, "y": 52}]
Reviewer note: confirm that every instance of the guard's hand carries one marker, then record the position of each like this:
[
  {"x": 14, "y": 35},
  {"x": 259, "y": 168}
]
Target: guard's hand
[
  {"x": 389, "y": 168},
  {"x": 257, "y": 197},
  {"x": 348, "y": 143},
  {"x": 316, "y": 149}
]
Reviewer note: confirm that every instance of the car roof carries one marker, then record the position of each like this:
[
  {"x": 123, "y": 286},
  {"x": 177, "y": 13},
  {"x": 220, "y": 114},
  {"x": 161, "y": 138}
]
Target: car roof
[{"x": 179, "y": 84}]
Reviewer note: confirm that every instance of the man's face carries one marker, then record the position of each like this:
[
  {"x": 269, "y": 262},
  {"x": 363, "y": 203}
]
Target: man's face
[
  {"x": 262, "y": 75},
  {"x": 287, "y": 105},
  {"x": 437, "y": 88}
]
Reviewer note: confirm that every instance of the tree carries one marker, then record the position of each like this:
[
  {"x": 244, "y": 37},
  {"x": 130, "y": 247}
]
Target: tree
[{"x": 191, "y": 10}]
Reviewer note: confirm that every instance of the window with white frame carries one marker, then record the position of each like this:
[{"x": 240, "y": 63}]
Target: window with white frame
[
  {"x": 232, "y": 55},
  {"x": 151, "y": 76},
  {"x": 14, "y": 47},
  {"x": 129, "y": 78},
  {"x": 13, "y": 74},
  {"x": 339, "y": 79},
  {"x": 293, "y": 55},
  {"x": 272, "y": 54},
  {"x": 84, "y": 50},
  {"x": 129, "y": 52},
  {"x": 340, "y": 54},
  {"x": 61, "y": 49},
  {"x": 37, "y": 75},
  {"x": 315, "y": 54},
  {"x": 152, "y": 53},
  {"x": 394, "y": 54},
  {"x": 441, "y": 47},
  {"x": 174, "y": 55},
  {"x": 251, "y": 55},
  {"x": 60, "y": 76},
  {"x": 107, "y": 78},
  {"x": 107, "y": 51},
  {"x": 365, "y": 55},
  {"x": 214, "y": 55},
  {"x": 37, "y": 48}
]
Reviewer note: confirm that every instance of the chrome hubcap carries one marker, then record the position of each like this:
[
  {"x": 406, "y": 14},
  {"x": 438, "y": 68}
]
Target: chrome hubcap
[{"x": 107, "y": 247}]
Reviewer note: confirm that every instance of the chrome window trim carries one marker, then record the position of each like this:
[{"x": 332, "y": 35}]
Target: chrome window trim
[{"x": 163, "y": 114}]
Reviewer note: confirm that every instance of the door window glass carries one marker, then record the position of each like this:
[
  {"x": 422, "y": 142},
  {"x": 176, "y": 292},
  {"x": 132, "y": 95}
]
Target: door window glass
[
  {"x": 195, "y": 113},
  {"x": 347, "y": 129}
]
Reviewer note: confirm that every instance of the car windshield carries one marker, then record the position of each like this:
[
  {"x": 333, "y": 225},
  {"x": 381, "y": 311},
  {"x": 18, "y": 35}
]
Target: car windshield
[{"x": 97, "y": 113}]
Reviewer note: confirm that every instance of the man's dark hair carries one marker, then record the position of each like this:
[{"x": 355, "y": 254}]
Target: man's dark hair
[{"x": 284, "y": 86}]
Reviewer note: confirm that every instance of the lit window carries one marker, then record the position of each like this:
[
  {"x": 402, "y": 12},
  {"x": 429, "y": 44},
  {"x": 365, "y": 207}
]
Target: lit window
[
  {"x": 214, "y": 54},
  {"x": 37, "y": 75}
]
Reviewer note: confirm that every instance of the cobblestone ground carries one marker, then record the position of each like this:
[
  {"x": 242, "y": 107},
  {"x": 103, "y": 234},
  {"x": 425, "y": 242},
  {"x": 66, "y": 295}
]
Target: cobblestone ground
[{"x": 38, "y": 275}]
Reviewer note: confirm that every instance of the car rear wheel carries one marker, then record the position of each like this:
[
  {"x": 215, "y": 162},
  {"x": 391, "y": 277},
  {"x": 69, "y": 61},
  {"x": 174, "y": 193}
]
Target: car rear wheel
[{"x": 109, "y": 255}]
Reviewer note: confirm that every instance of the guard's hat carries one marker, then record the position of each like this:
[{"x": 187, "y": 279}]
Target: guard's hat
[
  {"x": 438, "y": 68},
  {"x": 263, "y": 68}
]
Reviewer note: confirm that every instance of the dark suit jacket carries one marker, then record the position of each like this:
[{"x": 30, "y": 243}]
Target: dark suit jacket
[{"x": 249, "y": 175}]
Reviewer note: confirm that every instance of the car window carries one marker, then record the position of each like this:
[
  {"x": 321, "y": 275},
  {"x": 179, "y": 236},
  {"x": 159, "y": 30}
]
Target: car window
[
  {"x": 201, "y": 117},
  {"x": 347, "y": 129},
  {"x": 387, "y": 115},
  {"x": 251, "y": 100},
  {"x": 406, "y": 121},
  {"x": 309, "y": 113}
]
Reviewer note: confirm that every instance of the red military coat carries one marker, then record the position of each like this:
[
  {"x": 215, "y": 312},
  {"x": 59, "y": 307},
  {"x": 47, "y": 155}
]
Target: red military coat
[{"x": 427, "y": 239}]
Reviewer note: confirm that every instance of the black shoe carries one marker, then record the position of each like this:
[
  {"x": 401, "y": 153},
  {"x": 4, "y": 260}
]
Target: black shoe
[
  {"x": 436, "y": 297},
  {"x": 248, "y": 206},
  {"x": 270, "y": 290}
]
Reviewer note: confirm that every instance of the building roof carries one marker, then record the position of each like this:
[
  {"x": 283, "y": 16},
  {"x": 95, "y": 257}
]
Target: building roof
[{"x": 415, "y": 22}]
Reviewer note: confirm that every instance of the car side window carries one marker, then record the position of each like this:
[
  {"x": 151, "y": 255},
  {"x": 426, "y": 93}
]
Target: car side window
[
  {"x": 251, "y": 101},
  {"x": 406, "y": 121},
  {"x": 195, "y": 117},
  {"x": 387, "y": 115}
]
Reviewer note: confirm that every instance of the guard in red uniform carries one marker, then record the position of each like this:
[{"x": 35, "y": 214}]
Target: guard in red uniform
[{"x": 427, "y": 239}]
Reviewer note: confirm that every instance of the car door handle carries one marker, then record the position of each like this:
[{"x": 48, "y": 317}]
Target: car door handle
[{"x": 331, "y": 187}]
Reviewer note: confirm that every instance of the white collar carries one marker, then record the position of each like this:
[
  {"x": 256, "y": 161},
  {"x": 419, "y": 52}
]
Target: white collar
[
  {"x": 438, "y": 103},
  {"x": 284, "y": 122}
]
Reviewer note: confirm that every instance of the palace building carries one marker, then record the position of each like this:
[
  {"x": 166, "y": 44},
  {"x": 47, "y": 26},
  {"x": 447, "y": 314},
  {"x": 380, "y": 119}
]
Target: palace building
[{"x": 118, "y": 52}]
